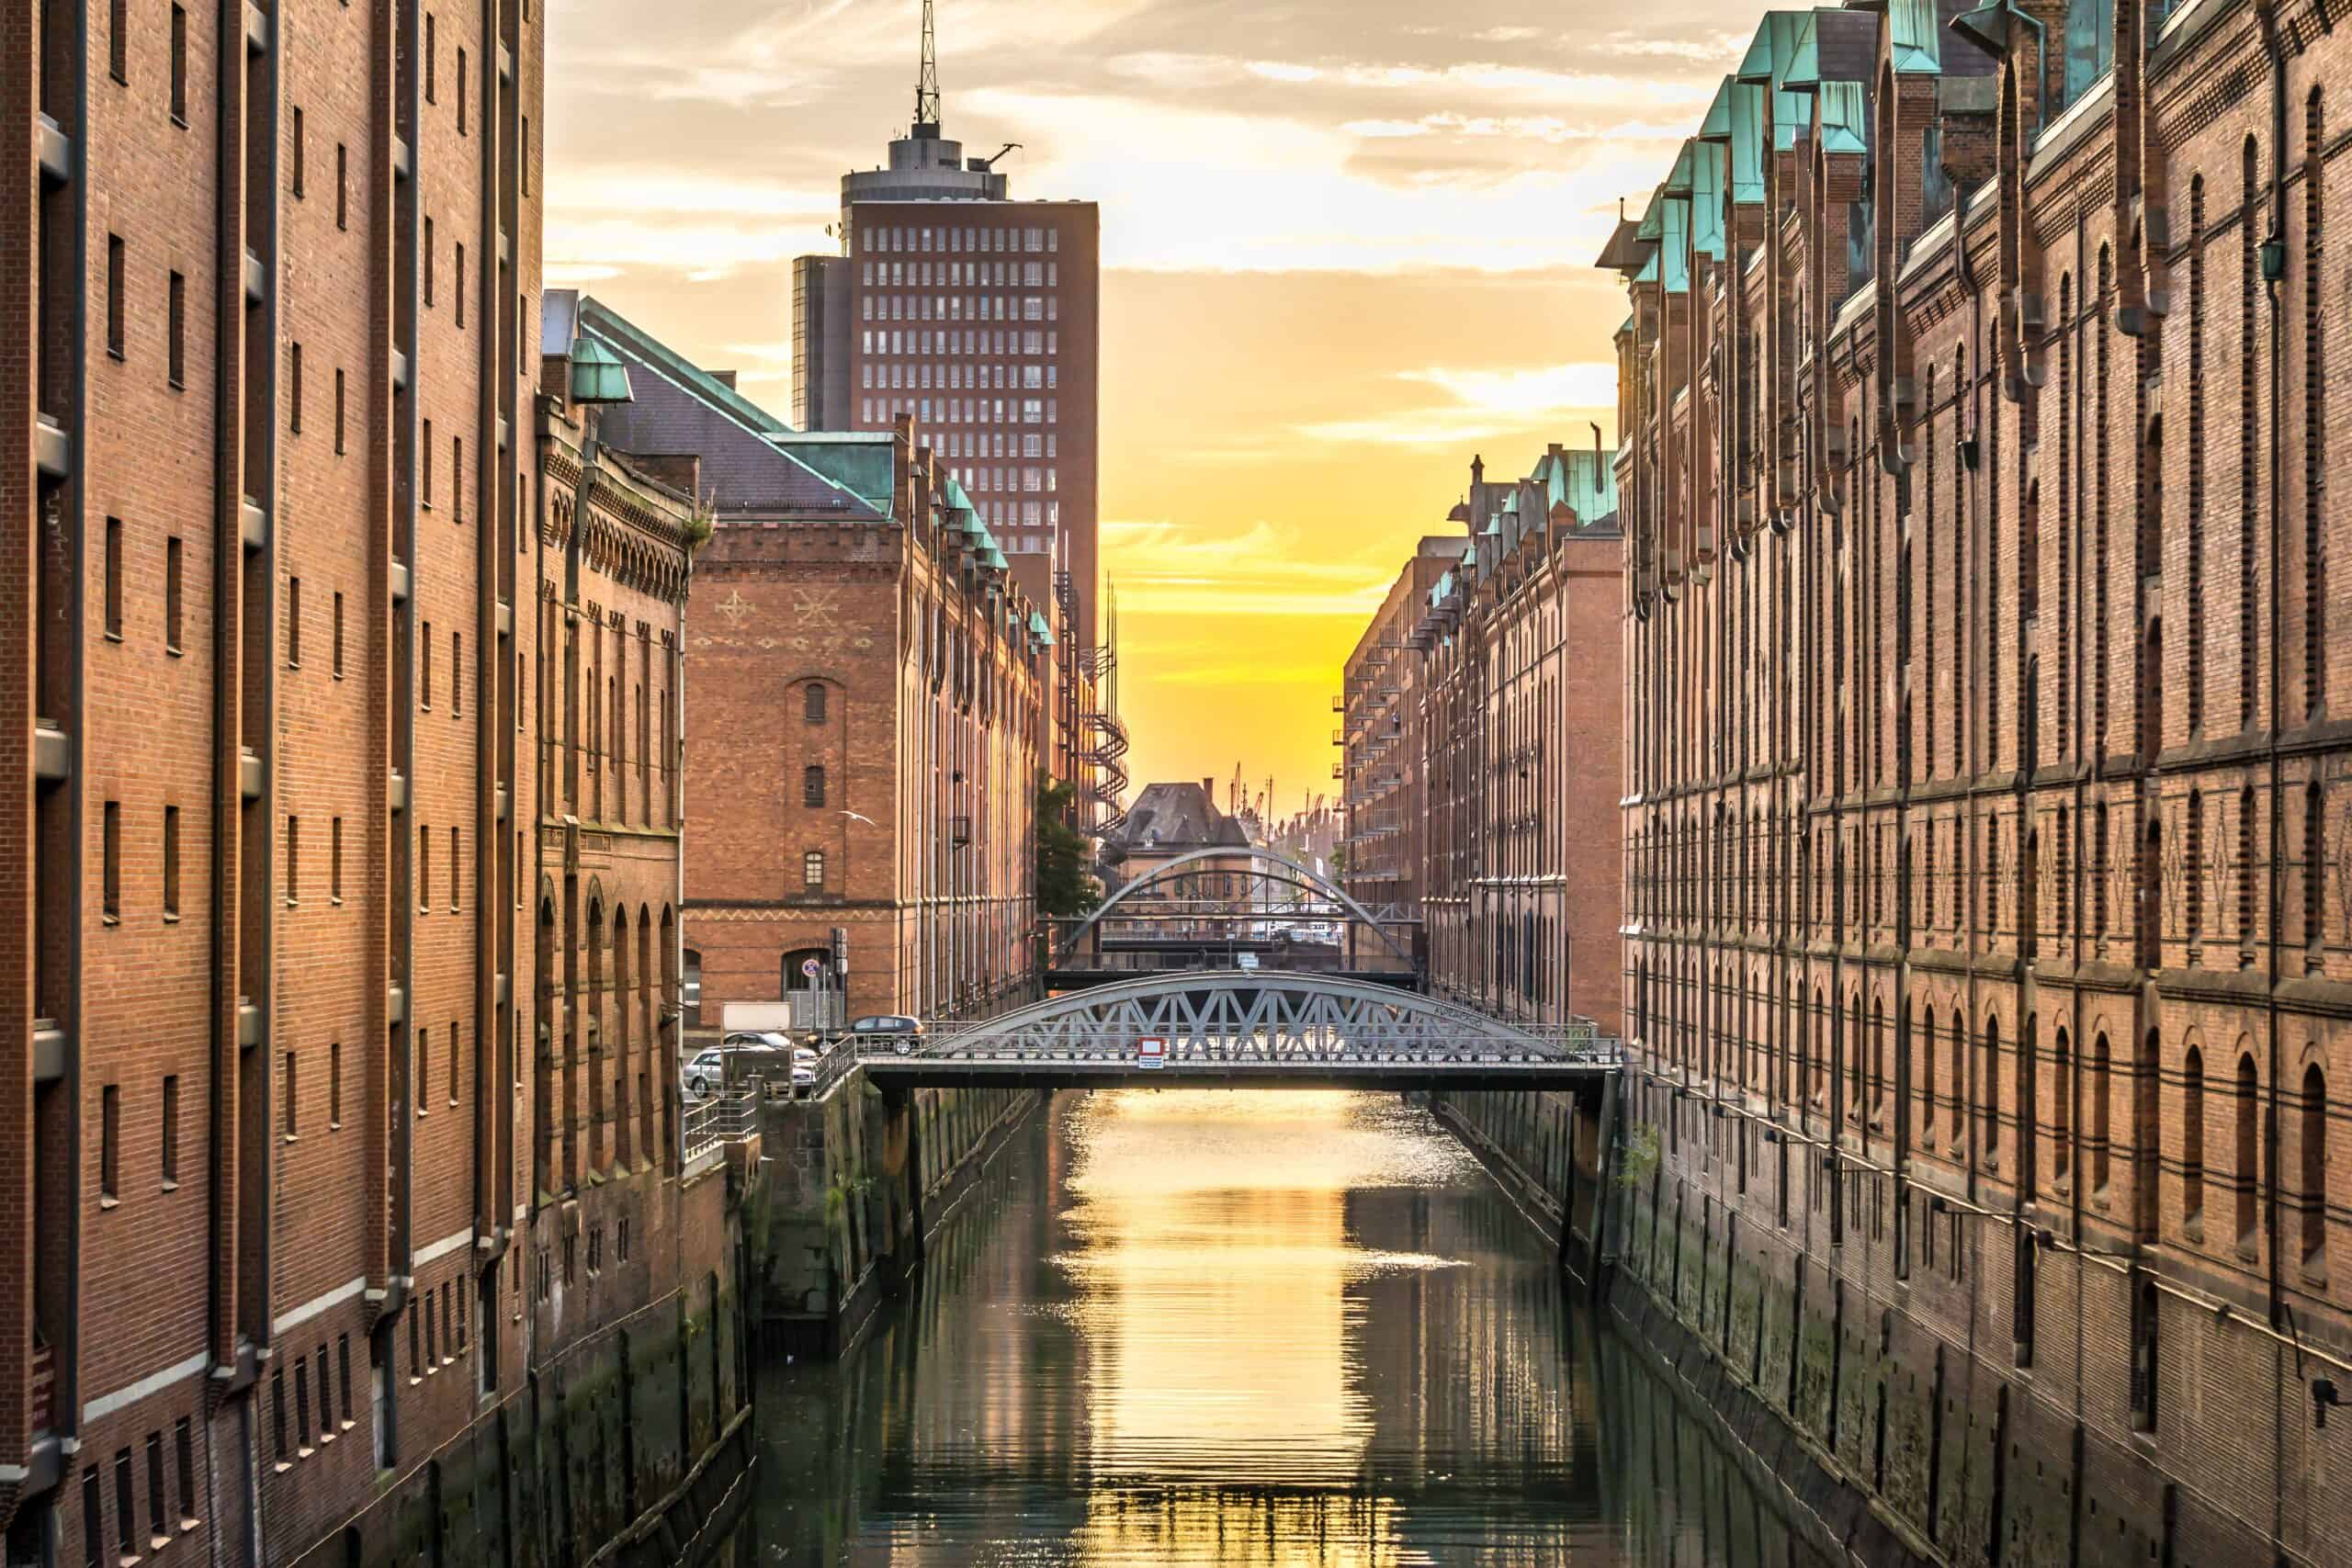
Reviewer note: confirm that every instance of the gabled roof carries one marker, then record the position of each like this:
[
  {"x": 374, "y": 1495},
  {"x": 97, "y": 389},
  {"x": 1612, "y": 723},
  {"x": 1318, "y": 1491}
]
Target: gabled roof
[
  {"x": 1845, "y": 118},
  {"x": 679, "y": 409},
  {"x": 1914, "y": 37}
]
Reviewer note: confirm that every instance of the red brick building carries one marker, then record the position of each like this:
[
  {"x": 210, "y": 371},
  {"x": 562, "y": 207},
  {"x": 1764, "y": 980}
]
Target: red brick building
[
  {"x": 870, "y": 721},
  {"x": 1985, "y": 838},
  {"x": 284, "y": 559},
  {"x": 1516, "y": 737},
  {"x": 1382, "y": 798}
]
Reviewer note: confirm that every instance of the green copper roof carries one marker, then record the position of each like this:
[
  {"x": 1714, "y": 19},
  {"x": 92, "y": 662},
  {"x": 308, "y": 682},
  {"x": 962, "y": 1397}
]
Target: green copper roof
[
  {"x": 597, "y": 374},
  {"x": 600, "y": 319},
  {"x": 1845, "y": 118},
  {"x": 1706, "y": 198},
  {"x": 995, "y": 558},
  {"x": 1581, "y": 478},
  {"x": 1039, "y": 630},
  {"x": 1674, "y": 247},
  {"x": 1805, "y": 63},
  {"x": 1914, "y": 41},
  {"x": 1716, "y": 126},
  {"x": 1653, "y": 219},
  {"x": 866, "y": 468},
  {"x": 1746, "y": 142},
  {"x": 1677, "y": 180},
  {"x": 1769, "y": 55}
]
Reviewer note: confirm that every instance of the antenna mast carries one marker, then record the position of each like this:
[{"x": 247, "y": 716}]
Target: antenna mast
[{"x": 927, "y": 83}]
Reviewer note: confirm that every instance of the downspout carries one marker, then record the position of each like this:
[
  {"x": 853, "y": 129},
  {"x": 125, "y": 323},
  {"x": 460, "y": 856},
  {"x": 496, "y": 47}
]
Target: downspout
[{"x": 1966, "y": 268}]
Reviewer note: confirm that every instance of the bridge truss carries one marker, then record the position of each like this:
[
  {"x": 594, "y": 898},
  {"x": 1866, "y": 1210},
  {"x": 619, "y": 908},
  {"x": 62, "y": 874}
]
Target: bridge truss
[{"x": 1241, "y": 1026}]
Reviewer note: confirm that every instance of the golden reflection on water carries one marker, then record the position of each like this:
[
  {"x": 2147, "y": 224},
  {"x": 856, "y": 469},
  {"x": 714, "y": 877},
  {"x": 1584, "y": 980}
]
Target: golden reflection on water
[{"x": 1211, "y": 1263}]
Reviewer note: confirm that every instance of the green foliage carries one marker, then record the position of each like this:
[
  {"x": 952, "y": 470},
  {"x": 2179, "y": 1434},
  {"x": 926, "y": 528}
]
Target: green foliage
[
  {"x": 1640, "y": 1158},
  {"x": 1065, "y": 889},
  {"x": 1339, "y": 861}
]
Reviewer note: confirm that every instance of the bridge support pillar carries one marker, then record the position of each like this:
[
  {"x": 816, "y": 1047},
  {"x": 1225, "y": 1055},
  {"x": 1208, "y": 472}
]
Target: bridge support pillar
[{"x": 1607, "y": 1160}]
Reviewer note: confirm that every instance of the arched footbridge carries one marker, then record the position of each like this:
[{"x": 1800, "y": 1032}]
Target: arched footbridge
[{"x": 1240, "y": 1029}]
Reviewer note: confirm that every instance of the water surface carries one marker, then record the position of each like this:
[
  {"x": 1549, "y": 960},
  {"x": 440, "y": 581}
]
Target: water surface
[{"x": 1218, "y": 1328}]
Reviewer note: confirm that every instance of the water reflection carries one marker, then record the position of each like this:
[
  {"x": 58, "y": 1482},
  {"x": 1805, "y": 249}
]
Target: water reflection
[{"x": 1213, "y": 1328}]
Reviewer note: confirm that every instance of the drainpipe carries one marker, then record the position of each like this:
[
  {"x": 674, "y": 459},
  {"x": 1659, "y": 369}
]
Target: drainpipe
[{"x": 1970, "y": 284}]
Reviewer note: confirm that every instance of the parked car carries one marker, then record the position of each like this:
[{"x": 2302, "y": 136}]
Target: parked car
[
  {"x": 901, "y": 1031},
  {"x": 757, "y": 1040},
  {"x": 704, "y": 1073}
]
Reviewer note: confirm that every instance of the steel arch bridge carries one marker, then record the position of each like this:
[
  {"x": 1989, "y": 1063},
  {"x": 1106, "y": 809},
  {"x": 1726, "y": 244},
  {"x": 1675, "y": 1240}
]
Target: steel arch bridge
[
  {"x": 1242, "y": 1029},
  {"x": 1267, "y": 870}
]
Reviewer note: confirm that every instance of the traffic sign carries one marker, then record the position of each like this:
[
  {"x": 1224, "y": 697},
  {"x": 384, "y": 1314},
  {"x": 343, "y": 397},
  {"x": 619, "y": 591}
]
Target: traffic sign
[
  {"x": 811, "y": 968},
  {"x": 1151, "y": 1051}
]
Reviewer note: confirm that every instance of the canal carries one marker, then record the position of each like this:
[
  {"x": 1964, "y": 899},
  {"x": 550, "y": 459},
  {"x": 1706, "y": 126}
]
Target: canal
[{"x": 1217, "y": 1328}]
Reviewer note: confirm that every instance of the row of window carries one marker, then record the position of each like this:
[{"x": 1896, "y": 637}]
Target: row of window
[
  {"x": 332, "y": 1381},
  {"x": 970, "y": 239},
  {"x": 965, "y": 307},
  {"x": 964, "y": 410},
  {"x": 957, "y": 378},
  {"x": 171, "y": 1509},
  {"x": 915, "y": 341},
  {"x": 112, "y": 854},
  {"x": 118, "y": 55}
]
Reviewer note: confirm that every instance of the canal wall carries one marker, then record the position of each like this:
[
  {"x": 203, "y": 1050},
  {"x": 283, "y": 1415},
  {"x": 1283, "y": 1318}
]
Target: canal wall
[
  {"x": 1909, "y": 1413},
  {"x": 626, "y": 1441},
  {"x": 855, "y": 1184}
]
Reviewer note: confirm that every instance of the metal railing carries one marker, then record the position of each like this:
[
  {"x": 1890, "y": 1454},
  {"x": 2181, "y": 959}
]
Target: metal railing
[{"x": 729, "y": 1118}]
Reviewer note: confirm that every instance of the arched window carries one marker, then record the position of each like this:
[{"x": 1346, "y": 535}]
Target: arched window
[
  {"x": 812, "y": 701},
  {"x": 1878, "y": 1055},
  {"x": 2062, "y": 1132},
  {"x": 812, "y": 871},
  {"x": 1959, "y": 1078},
  {"x": 2101, "y": 1122},
  {"x": 2249, "y": 1147},
  {"x": 1992, "y": 1087},
  {"x": 2314, "y": 1150},
  {"x": 2192, "y": 1137},
  {"x": 1927, "y": 1078},
  {"x": 812, "y": 784}
]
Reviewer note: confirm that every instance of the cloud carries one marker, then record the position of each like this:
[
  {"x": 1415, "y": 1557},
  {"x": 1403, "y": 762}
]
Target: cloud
[{"x": 1483, "y": 403}]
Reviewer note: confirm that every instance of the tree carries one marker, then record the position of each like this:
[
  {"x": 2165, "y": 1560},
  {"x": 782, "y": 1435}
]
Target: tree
[
  {"x": 1065, "y": 889},
  {"x": 1339, "y": 861}
]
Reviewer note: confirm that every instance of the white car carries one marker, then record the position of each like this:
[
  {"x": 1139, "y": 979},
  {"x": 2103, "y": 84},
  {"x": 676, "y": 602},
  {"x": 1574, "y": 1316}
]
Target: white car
[{"x": 704, "y": 1073}]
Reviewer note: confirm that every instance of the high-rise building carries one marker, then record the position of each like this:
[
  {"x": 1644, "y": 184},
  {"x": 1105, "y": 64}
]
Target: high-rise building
[{"x": 977, "y": 315}]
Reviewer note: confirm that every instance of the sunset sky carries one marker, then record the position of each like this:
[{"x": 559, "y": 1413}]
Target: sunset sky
[{"x": 1345, "y": 246}]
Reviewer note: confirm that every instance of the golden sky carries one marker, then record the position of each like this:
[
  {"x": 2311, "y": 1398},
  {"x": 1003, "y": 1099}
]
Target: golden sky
[{"x": 1346, "y": 245}]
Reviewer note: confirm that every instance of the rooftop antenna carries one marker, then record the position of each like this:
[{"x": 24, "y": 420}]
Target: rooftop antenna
[{"x": 927, "y": 83}]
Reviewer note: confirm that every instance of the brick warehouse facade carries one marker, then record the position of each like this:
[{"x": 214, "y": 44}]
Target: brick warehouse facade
[
  {"x": 1380, "y": 773},
  {"x": 1986, "y": 836},
  {"x": 1516, "y": 738},
  {"x": 286, "y": 558}
]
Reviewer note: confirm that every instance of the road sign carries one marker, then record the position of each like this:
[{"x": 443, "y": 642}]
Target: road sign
[
  {"x": 1245, "y": 961},
  {"x": 811, "y": 968},
  {"x": 1151, "y": 1051}
]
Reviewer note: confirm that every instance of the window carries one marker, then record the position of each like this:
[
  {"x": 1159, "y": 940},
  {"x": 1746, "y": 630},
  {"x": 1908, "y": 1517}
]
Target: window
[
  {"x": 457, "y": 1049},
  {"x": 338, "y": 598},
  {"x": 171, "y": 1130},
  {"x": 125, "y": 1520},
  {"x": 118, "y": 40},
  {"x": 424, "y": 668},
  {"x": 334, "y": 1120},
  {"x": 299, "y": 140},
  {"x": 425, "y": 464},
  {"x": 419, "y": 1085},
  {"x": 458, "y": 291},
  {"x": 110, "y": 1144},
  {"x": 2313, "y": 1138},
  {"x": 812, "y": 871},
  {"x": 461, "y": 92},
  {"x": 2192, "y": 1138},
  {"x": 338, "y": 411},
  {"x": 432, "y": 57},
  {"x": 171, "y": 862},
  {"x": 812, "y": 784},
  {"x": 292, "y": 1115},
  {"x": 294, "y": 388},
  {"x": 456, "y": 882},
  {"x": 428, "y": 281},
  {"x": 334, "y": 860},
  {"x": 342, "y": 1368},
  {"x": 176, "y": 324},
  {"x": 326, "y": 1399},
  {"x": 294, "y": 623},
  {"x": 423, "y": 869},
  {"x": 523, "y": 153},
  {"x": 813, "y": 703},
  {"x": 456, "y": 673},
  {"x": 184, "y": 1441},
  {"x": 2248, "y": 1150},
  {"x": 179, "y": 65},
  {"x": 112, "y": 907},
  {"x": 93, "y": 1524},
  {"x": 342, "y": 186},
  {"x": 114, "y": 578},
  {"x": 172, "y": 601},
  {"x": 113, "y": 292}
]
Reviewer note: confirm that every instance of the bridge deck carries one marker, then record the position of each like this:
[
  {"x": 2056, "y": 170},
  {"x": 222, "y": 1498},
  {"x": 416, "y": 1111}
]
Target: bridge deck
[{"x": 1218, "y": 1069}]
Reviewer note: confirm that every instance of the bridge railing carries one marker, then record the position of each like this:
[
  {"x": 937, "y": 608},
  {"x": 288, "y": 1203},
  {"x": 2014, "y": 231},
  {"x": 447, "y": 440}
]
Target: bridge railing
[
  {"x": 722, "y": 1119},
  {"x": 1563, "y": 1044}
]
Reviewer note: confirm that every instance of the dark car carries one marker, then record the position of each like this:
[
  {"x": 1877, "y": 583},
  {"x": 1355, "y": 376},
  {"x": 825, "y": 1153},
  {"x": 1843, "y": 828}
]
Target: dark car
[{"x": 901, "y": 1031}]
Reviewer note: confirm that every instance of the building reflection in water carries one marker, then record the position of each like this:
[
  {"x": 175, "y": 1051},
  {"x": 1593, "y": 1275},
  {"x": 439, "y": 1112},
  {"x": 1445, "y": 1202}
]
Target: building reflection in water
[{"x": 1195, "y": 1328}]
